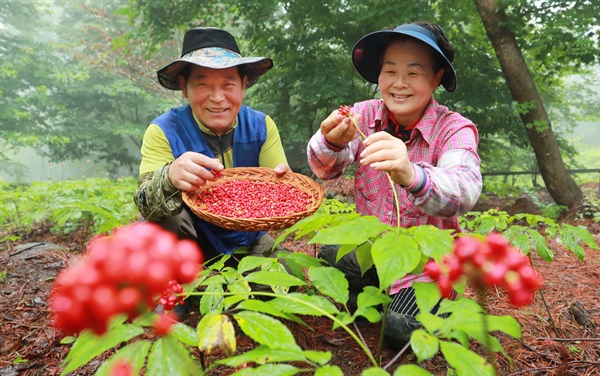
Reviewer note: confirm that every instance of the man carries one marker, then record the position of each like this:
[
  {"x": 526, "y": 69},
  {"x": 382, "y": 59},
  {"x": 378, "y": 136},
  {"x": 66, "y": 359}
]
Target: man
[{"x": 187, "y": 146}]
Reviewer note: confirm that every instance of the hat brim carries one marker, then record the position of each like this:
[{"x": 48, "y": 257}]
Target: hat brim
[
  {"x": 255, "y": 67},
  {"x": 369, "y": 49}
]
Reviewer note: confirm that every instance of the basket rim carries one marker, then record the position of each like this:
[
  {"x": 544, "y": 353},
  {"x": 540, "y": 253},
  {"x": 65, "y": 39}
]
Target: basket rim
[{"x": 303, "y": 183}]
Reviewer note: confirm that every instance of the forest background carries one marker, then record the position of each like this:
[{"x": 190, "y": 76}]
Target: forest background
[{"x": 78, "y": 78}]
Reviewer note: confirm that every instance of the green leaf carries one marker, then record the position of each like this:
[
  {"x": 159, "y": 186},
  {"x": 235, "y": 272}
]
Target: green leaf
[
  {"x": 185, "y": 334},
  {"x": 303, "y": 304},
  {"x": 465, "y": 361},
  {"x": 585, "y": 236},
  {"x": 303, "y": 259},
  {"x": 263, "y": 354},
  {"x": 135, "y": 352},
  {"x": 371, "y": 297},
  {"x": 354, "y": 231},
  {"x": 88, "y": 345},
  {"x": 210, "y": 303},
  {"x": 424, "y": 345},
  {"x": 364, "y": 257},
  {"x": 252, "y": 262},
  {"x": 431, "y": 322},
  {"x": 330, "y": 282},
  {"x": 274, "y": 278},
  {"x": 521, "y": 241},
  {"x": 265, "y": 307},
  {"x": 375, "y": 371},
  {"x": 541, "y": 247},
  {"x": 319, "y": 357},
  {"x": 265, "y": 330},
  {"x": 216, "y": 330},
  {"x": 395, "y": 255},
  {"x": 432, "y": 241},
  {"x": 169, "y": 357},
  {"x": 268, "y": 369},
  {"x": 411, "y": 370},
  {"x": 506, "y": 324},
  {"x": 570, "y": 242},
  {"x": 369, "y": 313},
  {"x": 427, "y": 295},
  {"x": 329, "y": 370}
]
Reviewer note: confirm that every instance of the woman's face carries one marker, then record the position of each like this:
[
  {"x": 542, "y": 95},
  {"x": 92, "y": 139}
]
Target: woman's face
[
  {"x": 407, "y": 79},
  {"x": 215, "y": 95}
]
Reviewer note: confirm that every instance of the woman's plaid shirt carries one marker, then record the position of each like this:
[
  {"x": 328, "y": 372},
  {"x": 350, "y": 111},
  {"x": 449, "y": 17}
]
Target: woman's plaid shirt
[{"x": 443, "y": 151}]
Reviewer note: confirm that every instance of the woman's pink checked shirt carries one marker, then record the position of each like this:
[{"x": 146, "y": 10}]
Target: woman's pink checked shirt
[{"x": 443, "y": 150}]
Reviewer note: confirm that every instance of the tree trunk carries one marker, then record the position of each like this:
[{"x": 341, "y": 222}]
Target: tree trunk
[{"x": 559, "y": 182}]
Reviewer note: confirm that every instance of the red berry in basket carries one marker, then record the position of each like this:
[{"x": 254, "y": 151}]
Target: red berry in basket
[{"x": 144, "y": 261}]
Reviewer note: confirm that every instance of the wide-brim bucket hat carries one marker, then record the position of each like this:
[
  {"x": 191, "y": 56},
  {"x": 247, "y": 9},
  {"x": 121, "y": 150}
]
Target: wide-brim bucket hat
[
  {"x": 214, "y": 48},
  {"x": 368, "y": 51}
]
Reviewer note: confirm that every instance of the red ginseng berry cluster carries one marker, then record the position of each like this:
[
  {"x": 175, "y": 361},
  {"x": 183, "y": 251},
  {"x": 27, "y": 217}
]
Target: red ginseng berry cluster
[
  {"x": 491, "y": 262},
  {"x": 344, "y": 110},
  {"x": 123, "y": 272},
  {"x": 254, "y": 199}
]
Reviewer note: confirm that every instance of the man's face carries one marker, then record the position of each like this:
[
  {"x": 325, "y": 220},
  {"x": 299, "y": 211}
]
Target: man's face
[
  {"x": 215, "y": 96},
  {"x": 407, "y": 80}
]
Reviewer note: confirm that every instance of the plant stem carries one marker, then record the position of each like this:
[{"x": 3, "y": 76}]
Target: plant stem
[
  {"x": 544, "y": 302},
  {"x": 491, "y": 356},
  {"x": 381, "y": 334},
  {"x": 393, "y": 185}
]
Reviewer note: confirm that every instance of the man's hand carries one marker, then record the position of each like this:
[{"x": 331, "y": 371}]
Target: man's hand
[
  {"x": 339, "y": 129},
  {"x": 191, "y": 171},
  {"x": 384, "y": 152}
]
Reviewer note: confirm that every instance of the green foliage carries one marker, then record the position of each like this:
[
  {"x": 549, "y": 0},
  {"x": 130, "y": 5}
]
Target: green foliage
[
  {"x": 529, "y": 231},
  {"x": 97, "y": 205},
  {"x": 334, "y": 206},
  {"x": 226, "y": 296}
]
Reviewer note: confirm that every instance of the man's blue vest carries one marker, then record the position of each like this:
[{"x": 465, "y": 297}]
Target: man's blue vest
[{"x": 249, "y": 136}]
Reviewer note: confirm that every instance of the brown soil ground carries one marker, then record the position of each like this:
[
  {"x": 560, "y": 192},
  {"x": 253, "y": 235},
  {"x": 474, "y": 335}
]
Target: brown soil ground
[{"x": 553, "y": 342}]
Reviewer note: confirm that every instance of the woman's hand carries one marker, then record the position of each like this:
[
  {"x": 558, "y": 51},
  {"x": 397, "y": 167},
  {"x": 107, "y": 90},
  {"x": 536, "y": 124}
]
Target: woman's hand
[
  {"x": 191, "y": 171},
  {"x": 339, "y": 129},
  {"x": 384, "y": 152}
]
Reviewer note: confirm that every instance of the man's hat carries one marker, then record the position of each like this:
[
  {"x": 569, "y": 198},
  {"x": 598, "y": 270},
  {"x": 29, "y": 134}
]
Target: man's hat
[
  {"x": 368, "y": 51},
  {"x": 211, "y": 48}
]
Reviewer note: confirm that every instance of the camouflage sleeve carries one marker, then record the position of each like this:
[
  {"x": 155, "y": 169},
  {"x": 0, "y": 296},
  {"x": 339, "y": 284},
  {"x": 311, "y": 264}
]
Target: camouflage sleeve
[{"x": 155, "y": 197}]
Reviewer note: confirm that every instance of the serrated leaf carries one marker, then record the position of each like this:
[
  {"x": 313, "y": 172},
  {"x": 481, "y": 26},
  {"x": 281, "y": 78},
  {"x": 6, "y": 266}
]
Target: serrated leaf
[
  {"x": 266, "y": 307},
  {"x": 88, "y": 345},
  {"x": 570, "y": 242},
  {"x": 330, "y": 282},
  {"x": 303, "y": 304},
  {"x": 169, "y": 357},
  {"x": 135, "y": 353},
  {"x": 586, "y": 237},
  {"x": 265, "y": 330},
  {"x": 424, "y": 345},
  {"x": 465, "y": 361},
  {"x": 521, "y": 241},
  {"x": 355, "y": 231},
  {"x": 395, "y": 255},
  {"x": 371, "y": 297},
  {"x": 541, "y": 247},
  {"x": 274, "y": 278},
  {"x": 216, "y": 330}
]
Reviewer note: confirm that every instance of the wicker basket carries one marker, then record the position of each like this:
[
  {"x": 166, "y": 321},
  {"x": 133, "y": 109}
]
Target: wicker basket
[{"x": 299, "y": 181}]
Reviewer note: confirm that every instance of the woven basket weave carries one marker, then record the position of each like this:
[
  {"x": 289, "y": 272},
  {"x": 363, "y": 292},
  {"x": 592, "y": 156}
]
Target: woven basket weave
[{"x": 260, "y": 174}]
